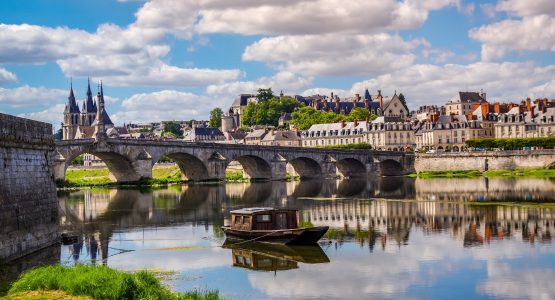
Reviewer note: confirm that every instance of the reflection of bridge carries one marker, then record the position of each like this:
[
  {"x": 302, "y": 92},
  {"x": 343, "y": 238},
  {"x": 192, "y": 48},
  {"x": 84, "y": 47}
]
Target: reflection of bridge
[{"x": 131, "y": 160}]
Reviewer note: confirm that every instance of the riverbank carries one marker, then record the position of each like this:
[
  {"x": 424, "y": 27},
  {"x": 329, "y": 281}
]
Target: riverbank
[
  {"x": 518, "y": 173},
  {"x": 95, "y": 282}
]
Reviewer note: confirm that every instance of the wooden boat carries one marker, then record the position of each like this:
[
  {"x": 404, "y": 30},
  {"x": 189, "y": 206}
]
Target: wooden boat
[{"x": 263, "y": 224}]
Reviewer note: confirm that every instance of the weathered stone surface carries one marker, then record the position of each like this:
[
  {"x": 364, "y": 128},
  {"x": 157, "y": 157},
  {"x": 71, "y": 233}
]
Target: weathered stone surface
[
  {"x": 28, "y": 202},
  {"x": 483, "y": 161}
]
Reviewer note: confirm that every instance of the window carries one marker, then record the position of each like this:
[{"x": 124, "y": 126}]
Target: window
[
  {"x": 237, "y": 219},
  {"x": 246, "y": 220},
  {"x": 263, "y": 218}
]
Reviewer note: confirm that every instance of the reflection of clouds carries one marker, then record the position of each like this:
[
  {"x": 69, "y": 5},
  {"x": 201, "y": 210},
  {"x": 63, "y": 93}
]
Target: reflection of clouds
[{"x": 507, "y": 282}]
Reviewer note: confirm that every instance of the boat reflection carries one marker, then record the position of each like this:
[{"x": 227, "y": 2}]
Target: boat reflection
[{"x": 273, "y": 257}]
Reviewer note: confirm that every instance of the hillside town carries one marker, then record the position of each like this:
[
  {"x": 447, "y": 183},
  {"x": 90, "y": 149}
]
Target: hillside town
[{"x": 390, "y": 127}]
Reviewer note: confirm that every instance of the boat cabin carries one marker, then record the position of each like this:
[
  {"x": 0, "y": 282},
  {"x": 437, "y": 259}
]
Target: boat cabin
[{"x": 263, "y": 218}]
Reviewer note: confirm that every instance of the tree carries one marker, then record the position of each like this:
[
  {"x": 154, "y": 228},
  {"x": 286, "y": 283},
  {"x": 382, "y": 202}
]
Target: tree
[
  {"x": 264, "y": 95},
  {"x": 360, "y": 114},
  {"x": 402, "y": 99},
  {"x": 268, "y": 112},
  {"x": 173, "y": 127},
  {"x": 59, "y": 135},
  {"x": 216, "y": 117}
]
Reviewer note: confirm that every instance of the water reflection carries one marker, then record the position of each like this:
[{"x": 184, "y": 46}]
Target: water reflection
[
  {"x": 389, "y": 238},
  {"x": 273, "y": 257}
]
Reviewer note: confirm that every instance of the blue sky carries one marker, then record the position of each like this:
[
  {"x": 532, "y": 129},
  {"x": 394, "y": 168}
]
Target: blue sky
[{"x": 163, "y": 59}]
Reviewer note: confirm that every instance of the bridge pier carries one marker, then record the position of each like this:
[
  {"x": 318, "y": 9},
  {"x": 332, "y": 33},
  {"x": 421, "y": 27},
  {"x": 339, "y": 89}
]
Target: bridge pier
[
  {"x": 216, "y": 166},
  {"x": 329, "y": 168}
]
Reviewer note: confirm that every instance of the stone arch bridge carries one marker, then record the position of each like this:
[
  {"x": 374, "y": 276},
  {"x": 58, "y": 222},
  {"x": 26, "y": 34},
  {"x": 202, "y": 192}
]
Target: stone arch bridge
[{"x": 132, "y": 160}]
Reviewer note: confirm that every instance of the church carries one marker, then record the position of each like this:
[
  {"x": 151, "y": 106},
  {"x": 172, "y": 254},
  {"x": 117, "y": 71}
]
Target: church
[{"x": 80, "y": 123}]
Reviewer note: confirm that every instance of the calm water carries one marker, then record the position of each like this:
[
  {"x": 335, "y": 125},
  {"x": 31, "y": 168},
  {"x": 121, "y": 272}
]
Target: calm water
[{"x": 391, "y": 238}]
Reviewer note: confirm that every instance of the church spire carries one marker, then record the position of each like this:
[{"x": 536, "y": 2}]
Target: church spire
[{"x": 71, "y": 106}]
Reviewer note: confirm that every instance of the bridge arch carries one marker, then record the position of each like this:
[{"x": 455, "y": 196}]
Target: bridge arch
[
  {"x": 192, "y": 168},
  {"x": 390, "y": 167},
  {"x": 120, "y": 166},
  {"x": 306, "y": 167},
  {"x": 351, "y": 167},
  {"x": 255, "y": 167}
]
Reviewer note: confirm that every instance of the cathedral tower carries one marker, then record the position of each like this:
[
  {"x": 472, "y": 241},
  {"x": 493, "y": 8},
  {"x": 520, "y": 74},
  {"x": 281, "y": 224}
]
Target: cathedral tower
[{"x": 71, "y": 117}]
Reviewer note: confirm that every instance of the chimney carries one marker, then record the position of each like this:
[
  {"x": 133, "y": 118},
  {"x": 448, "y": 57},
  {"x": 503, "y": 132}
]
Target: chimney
[
  {"x": 355, "y": 122},
  {"x": 528, "y": 104},
  {"x": 337, "y": 104},
  {"x": 331, "y": 95},
  {"x": 380, "y": 101},
  {"x": 496, "y": 107},
  {"x": 342, "y": 123}
]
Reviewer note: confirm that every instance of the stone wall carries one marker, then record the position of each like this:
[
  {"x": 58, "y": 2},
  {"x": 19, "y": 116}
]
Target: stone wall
[
  {"x": 28, "y": 201},
  {"x": 483, "y": 161}
]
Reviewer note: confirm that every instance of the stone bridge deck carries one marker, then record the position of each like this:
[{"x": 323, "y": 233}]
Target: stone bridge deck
[{"x": 132, "y": 160}]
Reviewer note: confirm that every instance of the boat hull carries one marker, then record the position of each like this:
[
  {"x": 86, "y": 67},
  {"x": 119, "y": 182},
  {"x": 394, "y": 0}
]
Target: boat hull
[{"x": 297, "y": 236}]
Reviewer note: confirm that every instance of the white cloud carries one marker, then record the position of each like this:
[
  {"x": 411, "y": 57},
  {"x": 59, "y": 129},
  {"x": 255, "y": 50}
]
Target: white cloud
[
  {"x": 124, "y": 56},
  {"x": 526, "y": 7},
  {"x": 6, "y": 76},
  {"x": 284, "y": 81},
  {"x": 27, "y": 96},
  {"x": 432, "y": 84},
  {"x": 334, "y": 54},
  {"x": 166, "y": 105},
  {"x": 531, "y": 33},
  {"x": 315, "y": 16},
  {"x": 501, "y": 282},
  {"x": 52, "y": 115}
]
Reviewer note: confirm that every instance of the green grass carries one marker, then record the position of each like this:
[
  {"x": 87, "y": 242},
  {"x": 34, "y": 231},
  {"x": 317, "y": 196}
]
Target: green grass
[
  {"x": 235, "y": 176},
  {"x": 101, "y": 177},
  {"x": 447, "y": 174},
  {"x": 520, "y": 173},
  {"x": 533, "y": 173},
  {"x": 100, "y": 282}
]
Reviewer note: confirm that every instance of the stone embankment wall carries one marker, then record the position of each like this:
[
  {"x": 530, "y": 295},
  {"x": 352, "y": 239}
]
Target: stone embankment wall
[
  {"x": 483, "y": 161},
  {"x": 28, "y": 201}
]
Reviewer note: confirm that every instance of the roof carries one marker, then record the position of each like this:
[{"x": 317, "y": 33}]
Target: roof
[
  {"x": 211, "y": 131},
  {"x": 257, "y": 133},
  {"x": 105, "y": 118},
  {"x": 89, "y": 105},
  {"x": 251, "y": 210},
  {"x": 71, "y": 106},
  {"x": 286, "y": 135},
  {"x": 467, "y": 96},
  {"x": 337, "y": 126},
  {"x": 242, "y": 100}
]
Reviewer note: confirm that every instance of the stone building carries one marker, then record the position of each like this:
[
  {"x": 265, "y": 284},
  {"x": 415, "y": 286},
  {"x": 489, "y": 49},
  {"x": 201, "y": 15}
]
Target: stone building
[
  {"x": 448, "y": 133},
  {"x": 79, "y": 124},
  {"x": 255, "y": 136},
  {"x": 392, "y": 107},
  {"x": 390, "y": 133},
  {"x": 203, "y": 134},
  {"x": 463, "y": 102},
  {"x": 526, "y": 124},
  {"x": 341, "y": 133}
]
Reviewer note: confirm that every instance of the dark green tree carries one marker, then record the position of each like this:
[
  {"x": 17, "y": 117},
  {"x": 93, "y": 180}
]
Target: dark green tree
[
  {"x": 402, "y": 99},
  {"x": 216, "y": 117},
  {"x": 360, "y": 114},
  {"x": 268, "y": 112},
  {"x": 264, "y": 95},
  {"x": 173, "y": 127},
  {"x": 59, "y": 135}
]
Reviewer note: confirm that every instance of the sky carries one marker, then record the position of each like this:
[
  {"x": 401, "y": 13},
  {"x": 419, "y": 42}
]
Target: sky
[{"x": 177, "y": 60}]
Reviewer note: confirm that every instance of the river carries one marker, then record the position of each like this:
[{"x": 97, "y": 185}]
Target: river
[{"x": 392, "y": 237}]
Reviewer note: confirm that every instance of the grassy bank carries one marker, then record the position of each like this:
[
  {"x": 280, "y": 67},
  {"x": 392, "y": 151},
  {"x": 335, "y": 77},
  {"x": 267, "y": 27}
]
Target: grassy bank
[
  {"x": 95, "y": 282},
  {"x": 520, "y": 173}
]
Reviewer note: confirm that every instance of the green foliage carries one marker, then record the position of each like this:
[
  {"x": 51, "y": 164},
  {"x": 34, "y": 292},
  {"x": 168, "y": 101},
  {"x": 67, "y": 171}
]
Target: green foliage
[
  {"x": 144, "y": 130},
  {"x": 519, "y": 173},
  {"x": 360, "y": 114},
  {"x": 511, "y": 143},
  {"x": 173, "y": 127},
  {"x": 168, "y": 134},
  {"x": 306, "y": 224},
  {"x": 101, "y": 177},
  {"x": 305, "y": 117},
  {"x": 449, "y": 174},
  {"x": 77, "y": 161},
  {"x": 268, "y": 112},
  {"x": 402, "y": 99},
  {"x": 348, "y": 146},
  {"x": 234, "y": 176},
  {"x": 100, "y": 282},
  {"x": 265, "y": 95},
  {"x": 59, "y": 135},
  {"x": 216, "y": 117}
]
